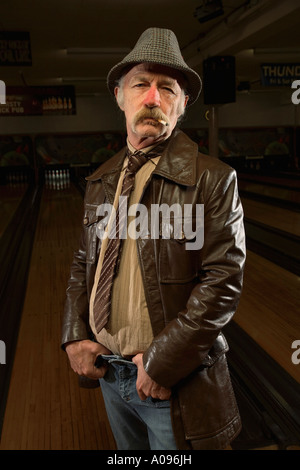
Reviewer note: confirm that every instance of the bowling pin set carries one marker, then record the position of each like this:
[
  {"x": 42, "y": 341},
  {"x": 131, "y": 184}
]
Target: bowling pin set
[
  {"x": 16, "y": 178},
  {"x": 57, "y": 179}
]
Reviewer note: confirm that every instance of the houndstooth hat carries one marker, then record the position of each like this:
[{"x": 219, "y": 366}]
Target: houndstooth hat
[{"x": 157, "y": 46}]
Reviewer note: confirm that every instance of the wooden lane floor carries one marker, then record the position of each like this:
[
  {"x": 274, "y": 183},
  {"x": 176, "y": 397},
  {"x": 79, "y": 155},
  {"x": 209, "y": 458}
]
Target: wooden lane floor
[
  {"x": 285, "y": 194},
  {"x": 10, "y": 198},
  {"x": 269, "y": 310},
  {"x": 286, "y": 180},
  {"x": 46, "y": 409},
  {"x": 277, "y": 217}
]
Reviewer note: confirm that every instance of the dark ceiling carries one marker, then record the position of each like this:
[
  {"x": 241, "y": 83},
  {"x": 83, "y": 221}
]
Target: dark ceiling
[{"x": 255, "y": 31}]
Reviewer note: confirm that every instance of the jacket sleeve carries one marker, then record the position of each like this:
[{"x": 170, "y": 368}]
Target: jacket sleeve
[
  {"x": 184, "y": 344},
  {"x": 75, "y": 323}
]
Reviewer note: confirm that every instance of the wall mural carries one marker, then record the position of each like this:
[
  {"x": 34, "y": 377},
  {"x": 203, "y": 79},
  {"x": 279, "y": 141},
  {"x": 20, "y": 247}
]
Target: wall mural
[
  {"x": 77, "y": 149},
  {"x": 236, "y": 146},
  {"x": 248, "y": 142},
  {"x": 253, "y": 149},
  {"x": 16, "y": 151}
]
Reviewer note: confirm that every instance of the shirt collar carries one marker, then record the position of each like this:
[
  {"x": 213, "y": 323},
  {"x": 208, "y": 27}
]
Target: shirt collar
[{"x": 144, "y": 150}]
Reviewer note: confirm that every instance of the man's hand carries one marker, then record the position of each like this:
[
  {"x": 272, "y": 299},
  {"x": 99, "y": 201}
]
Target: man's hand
[
  {"x": 82, "y": 356},
  {"x": 146, "y": 387}
]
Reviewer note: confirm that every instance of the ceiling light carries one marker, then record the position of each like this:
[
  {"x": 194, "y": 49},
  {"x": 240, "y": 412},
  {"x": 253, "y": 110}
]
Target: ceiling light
[
  {"x": 276, "y": 51},
  {"x": 97, "y": 51},
  {"x": 209, "y": 10},
  {"x": 83, "y": 79}
]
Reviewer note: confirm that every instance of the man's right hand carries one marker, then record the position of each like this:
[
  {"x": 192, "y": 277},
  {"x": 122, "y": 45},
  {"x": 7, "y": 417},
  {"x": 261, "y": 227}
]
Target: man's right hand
[{"x": 82, "y": 356}]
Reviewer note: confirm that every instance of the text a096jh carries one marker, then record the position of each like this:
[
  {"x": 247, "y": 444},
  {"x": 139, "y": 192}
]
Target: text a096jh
[{"x": 177, "y": 460}]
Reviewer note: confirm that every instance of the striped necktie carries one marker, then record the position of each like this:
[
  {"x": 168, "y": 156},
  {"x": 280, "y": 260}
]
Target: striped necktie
[{"x": 102, "y": 300}]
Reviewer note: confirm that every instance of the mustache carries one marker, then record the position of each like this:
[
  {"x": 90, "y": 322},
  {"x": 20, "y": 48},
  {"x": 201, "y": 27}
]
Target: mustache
[{"x": 150, "y": 113}]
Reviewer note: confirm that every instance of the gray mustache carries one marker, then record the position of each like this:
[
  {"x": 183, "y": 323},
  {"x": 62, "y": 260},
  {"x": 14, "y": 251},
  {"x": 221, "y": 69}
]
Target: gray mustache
[{"x": 153, "y": 113}]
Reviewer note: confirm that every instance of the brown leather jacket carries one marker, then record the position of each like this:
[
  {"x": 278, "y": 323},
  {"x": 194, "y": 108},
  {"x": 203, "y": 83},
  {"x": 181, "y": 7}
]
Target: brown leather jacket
[{"x": 191, "y": 295}]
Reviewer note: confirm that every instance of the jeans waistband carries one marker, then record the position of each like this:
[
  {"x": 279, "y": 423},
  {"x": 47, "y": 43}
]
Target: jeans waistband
[{"x": 113, "y": 358}]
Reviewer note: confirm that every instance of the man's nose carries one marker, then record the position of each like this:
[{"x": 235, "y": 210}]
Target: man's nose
[{"x": 152, "y": 97}]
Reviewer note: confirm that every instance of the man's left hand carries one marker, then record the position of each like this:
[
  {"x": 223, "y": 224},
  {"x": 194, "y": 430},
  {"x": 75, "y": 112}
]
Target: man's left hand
[{"x": 146, "y": 387}]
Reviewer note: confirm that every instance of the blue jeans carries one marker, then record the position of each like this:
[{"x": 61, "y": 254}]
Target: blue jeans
[{"x": 136, "y": 424}]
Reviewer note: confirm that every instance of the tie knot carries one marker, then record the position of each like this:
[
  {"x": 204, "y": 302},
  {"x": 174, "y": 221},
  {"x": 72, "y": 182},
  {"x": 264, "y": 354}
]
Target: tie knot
[{"x": 136, "y": 160}]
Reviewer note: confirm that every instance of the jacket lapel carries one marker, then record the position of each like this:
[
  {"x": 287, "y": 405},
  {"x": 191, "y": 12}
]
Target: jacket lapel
[
  {"x": 109, "y": 174},
  {"x": 177, "y": 163}
]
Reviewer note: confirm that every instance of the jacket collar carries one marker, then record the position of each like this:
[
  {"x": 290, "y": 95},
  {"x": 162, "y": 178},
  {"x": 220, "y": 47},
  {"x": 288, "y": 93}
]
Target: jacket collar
[{"x": 177, "y": 163}]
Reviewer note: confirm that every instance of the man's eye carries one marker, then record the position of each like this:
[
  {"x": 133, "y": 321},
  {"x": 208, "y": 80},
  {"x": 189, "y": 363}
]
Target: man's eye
[{"x": 170, "y": 90}]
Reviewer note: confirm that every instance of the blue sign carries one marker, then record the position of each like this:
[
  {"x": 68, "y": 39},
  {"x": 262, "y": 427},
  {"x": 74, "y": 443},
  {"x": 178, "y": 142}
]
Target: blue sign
[{"x": 279, "y": 74}]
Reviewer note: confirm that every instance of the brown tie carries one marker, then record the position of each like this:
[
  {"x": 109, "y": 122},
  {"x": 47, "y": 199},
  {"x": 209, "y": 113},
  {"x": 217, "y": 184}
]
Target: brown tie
[{"x": 102, "y": 300}]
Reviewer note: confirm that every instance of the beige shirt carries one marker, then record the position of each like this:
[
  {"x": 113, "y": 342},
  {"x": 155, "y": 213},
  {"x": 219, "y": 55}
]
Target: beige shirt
[{"x": 129, "y": 329}]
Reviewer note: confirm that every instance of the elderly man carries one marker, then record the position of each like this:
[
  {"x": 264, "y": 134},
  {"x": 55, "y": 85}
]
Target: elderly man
[{"x": 144, "y": 313}]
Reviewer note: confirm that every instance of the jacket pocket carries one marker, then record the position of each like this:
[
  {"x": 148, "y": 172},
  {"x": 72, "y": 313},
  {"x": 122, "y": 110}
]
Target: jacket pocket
[
  {"x": 180, "y": 244},
  {"x": 208, "y": 406},
  {"x": 219, "y": 348}
]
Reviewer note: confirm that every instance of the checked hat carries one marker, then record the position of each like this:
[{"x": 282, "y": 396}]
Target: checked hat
[{"x": 157, "y": 46}]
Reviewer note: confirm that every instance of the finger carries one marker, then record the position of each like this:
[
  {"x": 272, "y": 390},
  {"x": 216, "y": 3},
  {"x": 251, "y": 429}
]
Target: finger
[
  {"x": 96, "y": 373},
  {"x": 141, "y": 395},
  {"x": 161, "y": 394}
]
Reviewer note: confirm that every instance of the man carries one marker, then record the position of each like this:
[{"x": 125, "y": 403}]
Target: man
[{"x": 159, "y": 352}]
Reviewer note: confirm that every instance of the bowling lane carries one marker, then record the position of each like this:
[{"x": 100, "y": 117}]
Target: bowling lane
[
  {"x": 10, "y": 198},
  {"x": 46, "y": 410},
  {"x": 269, "y": 310},
  {"x": 284, "y": 194},
  {"x": 272, "y": 215}
]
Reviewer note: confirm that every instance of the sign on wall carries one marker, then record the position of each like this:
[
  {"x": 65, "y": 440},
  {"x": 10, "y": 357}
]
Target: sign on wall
[
  {"x": 279, "y": 74},
  {"x": 38, "y": 100},
  {"x": 15, "y": 48}
]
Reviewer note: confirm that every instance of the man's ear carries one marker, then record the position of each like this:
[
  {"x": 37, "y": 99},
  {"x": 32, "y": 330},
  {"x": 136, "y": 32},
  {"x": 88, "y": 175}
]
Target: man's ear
[
  {"x": 182, "y": 107},
  {"x": 119, "y": 97}
]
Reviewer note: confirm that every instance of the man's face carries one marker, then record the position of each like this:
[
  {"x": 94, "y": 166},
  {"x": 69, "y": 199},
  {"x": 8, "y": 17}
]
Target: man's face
[{"x": 149, "y": 93}]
